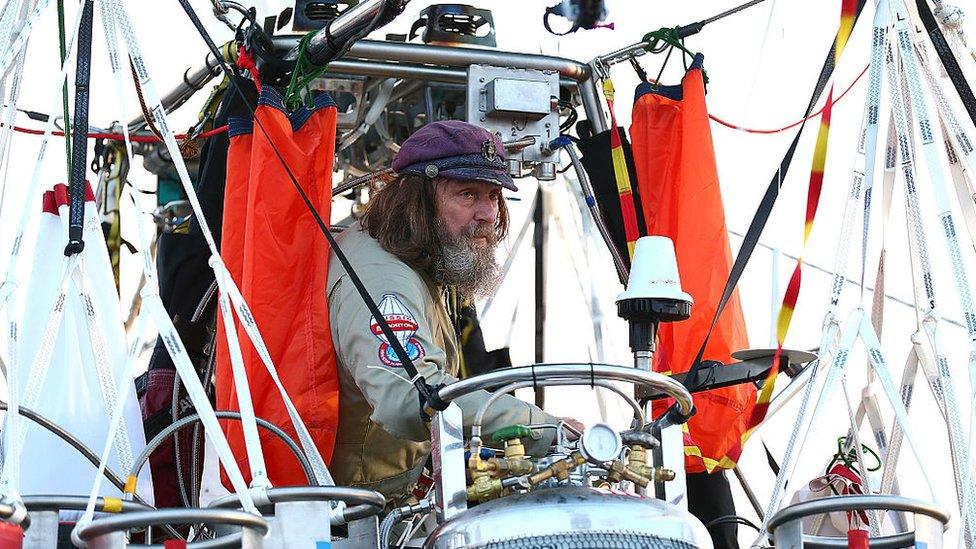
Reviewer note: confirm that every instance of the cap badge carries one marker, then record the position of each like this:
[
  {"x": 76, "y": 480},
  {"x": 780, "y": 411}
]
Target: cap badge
[
  {"x": 488, "y": 150},
  {"x": 431, "y": 171}
]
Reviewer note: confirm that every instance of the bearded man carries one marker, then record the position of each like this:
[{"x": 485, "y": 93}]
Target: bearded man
[{"x": 434, "y": 227}]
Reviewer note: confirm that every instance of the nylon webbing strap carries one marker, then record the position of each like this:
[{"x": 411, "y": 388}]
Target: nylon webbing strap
[
  {"x": 252, "y": 441},
  {"x": 25, "y": 28},
  {"x": 117, "y": 411},
  {"x": 761, "y": 217},
  {"x": 949, "y": 61},
  {"x": 917, "y": 106},
  {"x": 79, "y": 137},
  {"x": 103, "y": 367},
  {"x": 38, "y": 372}
]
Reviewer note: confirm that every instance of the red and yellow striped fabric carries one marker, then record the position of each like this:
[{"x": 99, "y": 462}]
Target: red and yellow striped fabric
[{"x": 848, "y": 15}]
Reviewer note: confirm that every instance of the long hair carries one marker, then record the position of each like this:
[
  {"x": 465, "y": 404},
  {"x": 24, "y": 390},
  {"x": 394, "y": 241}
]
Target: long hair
[{"x": 402, "y": 217}]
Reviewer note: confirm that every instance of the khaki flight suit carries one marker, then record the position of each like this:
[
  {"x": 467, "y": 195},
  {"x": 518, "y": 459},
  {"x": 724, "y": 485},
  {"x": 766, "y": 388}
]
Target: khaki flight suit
[{"x": 381, "y": 442}]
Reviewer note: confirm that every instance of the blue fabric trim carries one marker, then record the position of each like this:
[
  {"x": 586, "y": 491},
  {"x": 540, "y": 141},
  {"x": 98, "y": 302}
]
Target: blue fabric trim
[
  {"x": 271, "y": 97},
  {"x": 237, "y": 125},
  {"x": 675, "y": 92}
]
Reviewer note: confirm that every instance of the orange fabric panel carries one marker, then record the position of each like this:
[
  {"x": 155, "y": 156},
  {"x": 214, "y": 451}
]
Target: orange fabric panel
[
  {"x": 681, "y": 199},
  {"x": 283, "y": 260}
]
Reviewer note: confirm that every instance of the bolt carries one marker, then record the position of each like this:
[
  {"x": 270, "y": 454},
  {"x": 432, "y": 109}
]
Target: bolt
[{"x": 482, "y": 79}]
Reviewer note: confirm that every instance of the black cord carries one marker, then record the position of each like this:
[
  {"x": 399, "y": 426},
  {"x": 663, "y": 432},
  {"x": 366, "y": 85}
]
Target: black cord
[
  {"x": 731, "y": 519},
  {"x": 428, "y": 394}
]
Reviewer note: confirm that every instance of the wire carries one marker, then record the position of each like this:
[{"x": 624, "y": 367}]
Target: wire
[
  {"x": 794, "y": 124},
  {"x": 731, "y": 519},
  {"x": 84, "y": 450},
  {"x": 152, "y": 445}
]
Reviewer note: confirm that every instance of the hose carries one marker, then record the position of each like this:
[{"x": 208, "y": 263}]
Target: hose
[
  {"x": 152, "y": 445},
  {"x": 601, "y": 225},
  {"x": 386, "y": 527},
  {"x": 84, "y": 450}
]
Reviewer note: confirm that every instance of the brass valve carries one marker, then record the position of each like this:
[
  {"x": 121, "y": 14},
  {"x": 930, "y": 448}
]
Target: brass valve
[
  {"x": 484, "y": 488},
  {"x": 637, "y": 462},
  {"x": 619, "y": 471},
  {"x": 559, "y": 469}
]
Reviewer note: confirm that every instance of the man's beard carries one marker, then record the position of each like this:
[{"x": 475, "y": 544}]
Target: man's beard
[{"x": 467, "y": 265}]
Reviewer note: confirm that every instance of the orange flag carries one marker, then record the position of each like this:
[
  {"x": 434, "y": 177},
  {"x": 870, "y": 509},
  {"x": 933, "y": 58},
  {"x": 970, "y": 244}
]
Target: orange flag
[{"x": 681, "y": 199}]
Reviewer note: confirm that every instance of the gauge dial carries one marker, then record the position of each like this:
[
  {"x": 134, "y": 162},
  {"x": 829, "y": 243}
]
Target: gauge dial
[{"x": 600, "y": 444}]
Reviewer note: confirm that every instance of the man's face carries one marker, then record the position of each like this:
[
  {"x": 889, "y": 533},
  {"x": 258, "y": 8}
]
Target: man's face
[
  {"x": 467, "y": 214},
  {"x": 467, "y": 209}
]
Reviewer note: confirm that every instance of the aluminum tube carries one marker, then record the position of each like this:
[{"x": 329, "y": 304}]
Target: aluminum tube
[
  {"x": 480, "y": 416},
  {"x": 342, "y": 27},
  {"x": 856, "y": 503},
  {"x": 191, "y": 84},
  {"x": 398, "y": 70},
  {"x": 77, "y": 503},
  {"x": 592, "y": 106},
  {"x": 118, "y": 523},
  {"x": 364, "y": 503},
  {"x": 580, "y": 371},
  {"x": 462, "y": 57},
  {"x": 449, "y": 56}
]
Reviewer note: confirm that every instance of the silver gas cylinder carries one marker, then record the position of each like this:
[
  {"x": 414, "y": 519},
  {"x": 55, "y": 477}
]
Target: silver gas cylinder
[{"x": 571, "y": 517}]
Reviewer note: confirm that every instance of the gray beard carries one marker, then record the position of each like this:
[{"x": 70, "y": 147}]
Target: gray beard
[{"x": 471, "y": 269}]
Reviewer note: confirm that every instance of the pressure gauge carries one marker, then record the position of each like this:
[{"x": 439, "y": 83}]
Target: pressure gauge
[{"x": 600, "y": 444}]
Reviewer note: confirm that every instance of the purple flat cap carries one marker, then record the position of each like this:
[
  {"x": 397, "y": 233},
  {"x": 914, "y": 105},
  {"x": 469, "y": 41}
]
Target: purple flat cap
[{"x": 455, "y": 150}]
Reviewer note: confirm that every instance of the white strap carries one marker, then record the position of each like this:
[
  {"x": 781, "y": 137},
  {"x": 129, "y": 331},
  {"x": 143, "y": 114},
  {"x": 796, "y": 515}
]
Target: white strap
[
  {"x": 10, "y": 476},
  {"x": 25, "y": 26},
  {"x": 860, "y": 171},
  {"x": 103, "y": 369},
  {"x": 918, "y": 110},
  {"x": 117, "y": 411},
  {"x": 252, "y": 441}
]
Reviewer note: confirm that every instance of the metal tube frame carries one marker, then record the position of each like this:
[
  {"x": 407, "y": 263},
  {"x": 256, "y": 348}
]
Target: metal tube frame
[
  {"x": 107, "y": 526},
  {"x": 365, "y": 503},
  {"x": 423, "y": 62},
  {"x": 579, "y": 371},
  {"x": 789, "y": 519}
]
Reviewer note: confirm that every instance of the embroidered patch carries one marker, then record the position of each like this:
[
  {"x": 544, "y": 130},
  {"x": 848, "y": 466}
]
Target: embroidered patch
[{"x": 404, "y": 327}]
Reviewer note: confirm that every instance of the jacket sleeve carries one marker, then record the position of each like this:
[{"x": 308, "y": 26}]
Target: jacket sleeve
[{"x": 363, "y": 350}]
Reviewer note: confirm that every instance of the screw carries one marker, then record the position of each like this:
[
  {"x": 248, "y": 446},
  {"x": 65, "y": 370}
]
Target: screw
[{"x": 482, "y": 79}]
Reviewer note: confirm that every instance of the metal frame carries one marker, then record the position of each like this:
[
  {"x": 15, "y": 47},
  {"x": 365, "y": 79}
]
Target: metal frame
[
  {"x": 422, "y": 62},
  {"x": 366, "y": 503},
  {"x": 787, "y": 524},
  {"x": 108, "y": 532},
  {"x": 582, "y": 372}
]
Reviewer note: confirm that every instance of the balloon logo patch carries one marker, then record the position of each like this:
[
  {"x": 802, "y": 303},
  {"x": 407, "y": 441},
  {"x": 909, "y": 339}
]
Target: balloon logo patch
[{"x": 404, "y": 327}]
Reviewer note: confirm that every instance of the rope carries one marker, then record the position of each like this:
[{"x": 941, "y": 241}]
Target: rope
[
  {"x": 120, "y": 137},
  {"x": 794, "y": 124}
]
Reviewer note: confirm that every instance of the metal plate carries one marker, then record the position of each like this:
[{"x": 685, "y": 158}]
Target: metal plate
[{"x": 510, "y": 102}]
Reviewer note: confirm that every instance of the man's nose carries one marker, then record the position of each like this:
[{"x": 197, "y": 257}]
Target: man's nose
[{"x": 486, "y": 210}]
